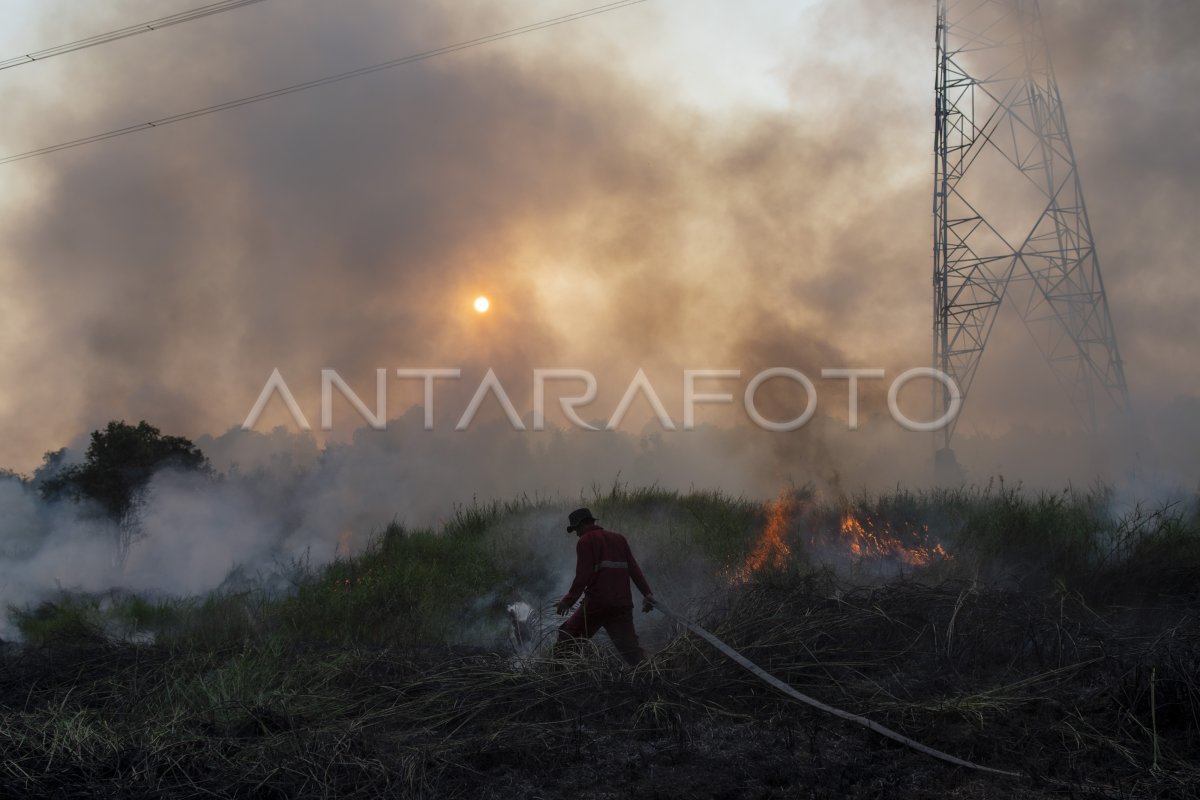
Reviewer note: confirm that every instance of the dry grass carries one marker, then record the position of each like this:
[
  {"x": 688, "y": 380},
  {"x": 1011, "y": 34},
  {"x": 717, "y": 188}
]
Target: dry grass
[
  {"x": 1083, "y": 674},
  {"x": 1045, "y": 685}
]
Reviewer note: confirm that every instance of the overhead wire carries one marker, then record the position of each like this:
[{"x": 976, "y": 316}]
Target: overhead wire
[
  {"x": 123, "y": 33},
  {"x": 341, "y": 76}
]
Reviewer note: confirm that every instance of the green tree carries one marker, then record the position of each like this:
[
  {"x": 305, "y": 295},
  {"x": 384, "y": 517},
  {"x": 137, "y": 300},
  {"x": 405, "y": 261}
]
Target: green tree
[{"x": 116, "y": 471}]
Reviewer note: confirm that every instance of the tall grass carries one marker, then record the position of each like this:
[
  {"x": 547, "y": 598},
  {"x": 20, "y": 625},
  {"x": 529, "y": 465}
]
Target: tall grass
[{"x": 419, "y": 586}]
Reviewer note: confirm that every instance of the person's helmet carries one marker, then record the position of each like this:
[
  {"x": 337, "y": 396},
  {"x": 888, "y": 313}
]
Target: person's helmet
[{"x": 578, "y": 518}]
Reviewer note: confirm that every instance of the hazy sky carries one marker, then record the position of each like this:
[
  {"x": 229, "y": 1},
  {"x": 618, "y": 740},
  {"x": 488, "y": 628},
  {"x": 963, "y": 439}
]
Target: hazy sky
[{"x": 671, "y": 185}]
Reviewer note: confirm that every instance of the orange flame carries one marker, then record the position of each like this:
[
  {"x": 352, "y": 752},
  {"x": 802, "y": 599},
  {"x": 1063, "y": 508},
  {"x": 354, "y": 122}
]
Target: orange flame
[
  {"x": 870, "y": 540},
  {"x": 343, "y": 544},
  {"x": 771, "y": 549},
  {"x": 864, "y": 538}
]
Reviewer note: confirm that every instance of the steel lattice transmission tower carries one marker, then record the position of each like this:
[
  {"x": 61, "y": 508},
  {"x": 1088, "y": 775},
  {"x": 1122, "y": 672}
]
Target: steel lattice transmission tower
[{"x": 1009, "y": 215}]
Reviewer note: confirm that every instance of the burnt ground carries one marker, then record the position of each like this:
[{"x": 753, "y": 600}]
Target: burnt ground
[
  {"x": 738, "y": 760},
  {"x": 1083, "y": 701}
]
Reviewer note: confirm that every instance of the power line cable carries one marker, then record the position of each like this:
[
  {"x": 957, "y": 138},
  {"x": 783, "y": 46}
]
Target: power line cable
[
  {"x": 123, "y": 33},
  {"x": 299, "y": 87}
]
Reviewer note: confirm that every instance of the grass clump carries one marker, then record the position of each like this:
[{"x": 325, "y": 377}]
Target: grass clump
[
  {"x": 407, "y": 586},
  {"x": 70, "y": 620}
]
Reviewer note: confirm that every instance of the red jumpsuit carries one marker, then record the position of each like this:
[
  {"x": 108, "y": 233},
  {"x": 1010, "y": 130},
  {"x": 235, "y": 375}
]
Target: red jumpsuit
[{"x": 604, "y": 565}]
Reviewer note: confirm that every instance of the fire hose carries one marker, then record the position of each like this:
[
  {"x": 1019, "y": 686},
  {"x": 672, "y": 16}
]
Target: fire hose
[{"x": 775, "y": 683}]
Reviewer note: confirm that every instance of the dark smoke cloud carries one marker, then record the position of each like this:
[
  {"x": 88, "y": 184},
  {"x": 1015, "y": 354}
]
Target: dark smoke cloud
[{"x": 164, "y": 275}]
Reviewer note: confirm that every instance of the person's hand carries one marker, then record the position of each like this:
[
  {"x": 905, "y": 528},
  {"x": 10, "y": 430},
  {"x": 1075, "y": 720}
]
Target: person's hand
[
  {"x": 562, "y": 607},
  {"x": 648, "y": 604}
]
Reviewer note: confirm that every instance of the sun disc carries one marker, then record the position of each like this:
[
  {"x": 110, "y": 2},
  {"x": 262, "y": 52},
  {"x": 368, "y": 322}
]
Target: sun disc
[{"x": 482, "y": 304}]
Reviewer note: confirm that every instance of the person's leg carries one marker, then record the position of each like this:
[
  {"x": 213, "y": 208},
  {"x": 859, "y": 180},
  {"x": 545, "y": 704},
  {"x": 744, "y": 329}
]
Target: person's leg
[
  {"x": 619, "y": 624},
  {"x": 579, "y": 626}
]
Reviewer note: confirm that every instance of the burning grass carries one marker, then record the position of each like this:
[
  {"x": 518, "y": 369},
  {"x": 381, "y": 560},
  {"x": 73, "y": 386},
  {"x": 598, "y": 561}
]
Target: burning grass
[{"x": 1073, "y": 657}]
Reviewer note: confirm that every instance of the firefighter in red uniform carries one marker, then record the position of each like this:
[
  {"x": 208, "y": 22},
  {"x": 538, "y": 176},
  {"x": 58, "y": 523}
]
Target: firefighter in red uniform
[{"x": 604, "y": 565}]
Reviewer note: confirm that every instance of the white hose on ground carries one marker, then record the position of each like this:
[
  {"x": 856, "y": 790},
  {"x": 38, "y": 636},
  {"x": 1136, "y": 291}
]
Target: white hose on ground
[{"x": 771, "y": 680}]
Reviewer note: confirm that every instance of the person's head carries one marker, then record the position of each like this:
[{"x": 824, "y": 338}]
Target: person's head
[{"x": 580, "y": 520}]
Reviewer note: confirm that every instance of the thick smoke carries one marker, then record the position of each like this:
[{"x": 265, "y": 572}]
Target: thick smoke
[
  {"x": 164, "y": 275},
  {"x": 615, "y": 223}
]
